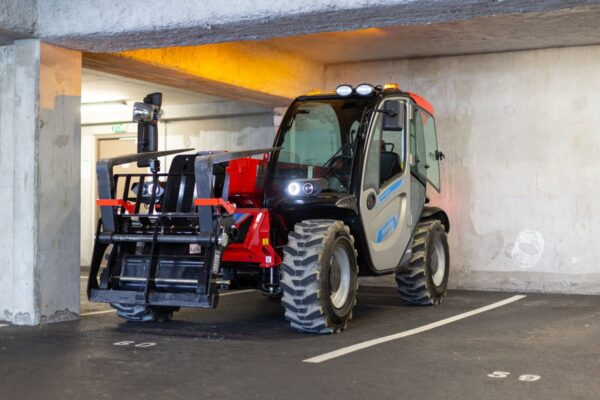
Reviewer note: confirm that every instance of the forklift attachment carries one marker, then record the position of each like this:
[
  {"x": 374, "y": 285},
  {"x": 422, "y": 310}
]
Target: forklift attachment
[{"x": 161, "y": 237}]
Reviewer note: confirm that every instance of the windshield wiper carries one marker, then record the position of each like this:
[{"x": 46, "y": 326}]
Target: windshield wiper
[
  {"x": 342, "y": 149},
  {"x": 351, "y": 143}
]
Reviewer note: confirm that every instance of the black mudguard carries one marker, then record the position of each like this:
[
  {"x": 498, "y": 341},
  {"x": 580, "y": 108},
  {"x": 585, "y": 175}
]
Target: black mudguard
[{"x": 436, "y": 213}]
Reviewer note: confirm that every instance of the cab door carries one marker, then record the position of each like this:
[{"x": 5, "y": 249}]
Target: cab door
[{"x": 385, "y": 186}]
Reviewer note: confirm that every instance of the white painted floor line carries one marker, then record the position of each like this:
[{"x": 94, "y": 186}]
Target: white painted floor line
[
  {"x": 87, "y": 314},
  {"x": 3, "y": 325},
  {"x": 369, "y": 343}
]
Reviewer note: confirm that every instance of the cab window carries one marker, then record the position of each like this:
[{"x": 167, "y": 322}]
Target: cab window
[
  {"x": 423, "y": 147},
  {"x": 385, "y": 155}
]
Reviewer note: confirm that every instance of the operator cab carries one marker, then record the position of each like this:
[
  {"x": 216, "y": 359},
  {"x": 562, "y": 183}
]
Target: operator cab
[{"x": 336, "y": 146}]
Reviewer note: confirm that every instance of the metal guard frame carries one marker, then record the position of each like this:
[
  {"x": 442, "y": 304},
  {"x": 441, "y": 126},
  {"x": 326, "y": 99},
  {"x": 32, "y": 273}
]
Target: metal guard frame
[{"x": 106, "y": 232}]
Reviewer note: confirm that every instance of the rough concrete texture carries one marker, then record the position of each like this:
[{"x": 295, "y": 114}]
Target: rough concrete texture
[
  {"x": 113, "y": 25},
  {"x": 17, "y": 19},
  {"x": 40, "y": 132},
  {"x": 18, "y": 297},
  {"x": 417, "y": 28},
  {"x": 206, "y": 126},
  {"x": 7, "y": 139},
  {"x": 490, "y": 34},
  {"x": 520, "y": 133}
]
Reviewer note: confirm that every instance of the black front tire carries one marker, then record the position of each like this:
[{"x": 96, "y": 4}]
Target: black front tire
[
  {"x": 319, "y": 276},
  {"x": 425, "y": 280},
  {"x": 142, "y": 313}
]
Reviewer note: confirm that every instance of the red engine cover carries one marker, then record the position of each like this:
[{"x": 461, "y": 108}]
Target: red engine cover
[{"x": 244, "y": 174}]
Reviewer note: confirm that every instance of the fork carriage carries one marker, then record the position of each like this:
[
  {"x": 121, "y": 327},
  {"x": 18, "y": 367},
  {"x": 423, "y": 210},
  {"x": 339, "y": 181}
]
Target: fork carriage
[{"x": 162, "y": 237}]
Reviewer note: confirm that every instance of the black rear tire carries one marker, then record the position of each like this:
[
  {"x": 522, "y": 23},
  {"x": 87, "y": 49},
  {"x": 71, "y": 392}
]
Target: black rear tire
[
  {"x": 142, "y": 313},
  {"x": 425, "y": 280},
  {"x": 319, "y": 276}
]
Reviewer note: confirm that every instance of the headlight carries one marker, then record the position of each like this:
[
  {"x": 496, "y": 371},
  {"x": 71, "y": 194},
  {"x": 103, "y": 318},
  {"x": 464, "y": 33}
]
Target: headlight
[
  {"x": 306, "y": 187},
  {"x": 293, "y": 188}
]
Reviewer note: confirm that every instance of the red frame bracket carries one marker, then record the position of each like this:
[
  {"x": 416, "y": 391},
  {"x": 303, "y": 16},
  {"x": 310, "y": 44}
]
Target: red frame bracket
[
  {"x": 229, "y": 207},
  {"x": 130, "y": 207},
  {"x": 256, "y": 246}
]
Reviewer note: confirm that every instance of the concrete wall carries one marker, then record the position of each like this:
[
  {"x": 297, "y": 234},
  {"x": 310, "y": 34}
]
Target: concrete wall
[
  {"x": 237, "y": 133},
  {"x": 209, "y": 126},
  {"x": 39, "y": 166},
  {"x": 521, "y": 133}
]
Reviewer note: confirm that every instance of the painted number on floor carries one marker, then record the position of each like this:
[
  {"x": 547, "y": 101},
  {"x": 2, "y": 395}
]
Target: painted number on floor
[
  {"x": 134, "y": 344},
  {"x": 529, "y": 378},
  {"x": 499, "y": 374},
  {"x": 522, "y": 378}
]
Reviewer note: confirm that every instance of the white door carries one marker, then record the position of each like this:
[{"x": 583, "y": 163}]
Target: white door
[{"x": 385, "y": 191}]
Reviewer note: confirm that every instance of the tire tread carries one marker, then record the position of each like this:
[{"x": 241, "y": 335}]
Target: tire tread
[
  {"x": 300, "y": 275},
  {"x": 413, "y": 283}
]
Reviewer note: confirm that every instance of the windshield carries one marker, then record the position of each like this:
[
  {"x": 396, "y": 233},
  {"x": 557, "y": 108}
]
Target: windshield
[{"x": 316, "y": 141}]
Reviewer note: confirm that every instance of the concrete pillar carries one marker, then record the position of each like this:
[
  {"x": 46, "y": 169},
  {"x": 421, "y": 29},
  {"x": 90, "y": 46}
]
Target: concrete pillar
[{"x": 40, "y": 89}]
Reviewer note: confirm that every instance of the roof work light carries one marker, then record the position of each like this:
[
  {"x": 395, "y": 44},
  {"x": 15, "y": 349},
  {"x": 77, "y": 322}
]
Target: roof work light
[
  {"x": 344, "y": 90},
  {"x": 365, "y": 89}
]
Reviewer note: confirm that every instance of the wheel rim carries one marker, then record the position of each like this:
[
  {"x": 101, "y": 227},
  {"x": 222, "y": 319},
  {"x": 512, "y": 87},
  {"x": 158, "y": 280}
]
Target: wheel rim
[
  {"x": 438, "y": 263},
  {"x": 339, "y": 276}
]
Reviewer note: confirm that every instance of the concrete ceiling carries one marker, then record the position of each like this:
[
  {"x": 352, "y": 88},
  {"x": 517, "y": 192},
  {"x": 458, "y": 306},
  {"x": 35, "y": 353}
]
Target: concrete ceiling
[
  {"x": 102, "y": 87},
  {"x": 274, "y": 70},
  {"x": 574, "y": 27}
]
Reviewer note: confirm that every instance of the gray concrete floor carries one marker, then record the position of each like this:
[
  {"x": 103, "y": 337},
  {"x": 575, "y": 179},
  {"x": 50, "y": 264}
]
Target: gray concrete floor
[{"x": 244, "y": 349}]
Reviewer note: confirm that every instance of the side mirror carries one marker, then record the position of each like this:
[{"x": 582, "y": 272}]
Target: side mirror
[{"x": 393, "y": 116}]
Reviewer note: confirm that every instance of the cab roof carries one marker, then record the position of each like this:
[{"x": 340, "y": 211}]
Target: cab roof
[{"x": 378, "y": 91}]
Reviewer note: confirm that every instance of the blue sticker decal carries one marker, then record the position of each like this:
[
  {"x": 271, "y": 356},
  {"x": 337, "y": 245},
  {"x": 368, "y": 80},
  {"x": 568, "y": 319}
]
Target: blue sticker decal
[
  {"x": 386, "y": 229},
  {"x": 387, "y": 193}
]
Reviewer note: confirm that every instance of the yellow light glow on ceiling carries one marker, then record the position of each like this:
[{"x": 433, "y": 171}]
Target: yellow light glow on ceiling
[{"x": 250, "y": 65}]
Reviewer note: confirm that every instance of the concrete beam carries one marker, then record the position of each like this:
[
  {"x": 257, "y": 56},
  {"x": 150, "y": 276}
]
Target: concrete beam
[
  {"x": 492, "y": 34},
  {"x": 117, "y": 25},
  {"x": 39, "y": 162},
  {"x": 248, "y": 71},
  {"x": 17, "y": 20}
]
